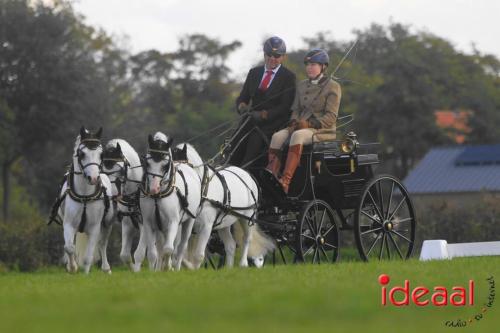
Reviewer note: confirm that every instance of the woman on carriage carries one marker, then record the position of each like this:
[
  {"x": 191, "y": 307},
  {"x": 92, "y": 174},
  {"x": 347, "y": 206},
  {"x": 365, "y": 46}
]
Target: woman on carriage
[{"x": 314, "y": 115}]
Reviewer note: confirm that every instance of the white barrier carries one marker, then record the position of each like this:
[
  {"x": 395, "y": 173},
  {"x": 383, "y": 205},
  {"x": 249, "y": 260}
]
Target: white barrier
[{"x": 440, "y": 249}]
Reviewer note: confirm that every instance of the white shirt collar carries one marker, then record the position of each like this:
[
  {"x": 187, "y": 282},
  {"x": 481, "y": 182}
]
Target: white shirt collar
[
  {"x": 317, "y": 80},
  {"x": 275, "y": 70}
]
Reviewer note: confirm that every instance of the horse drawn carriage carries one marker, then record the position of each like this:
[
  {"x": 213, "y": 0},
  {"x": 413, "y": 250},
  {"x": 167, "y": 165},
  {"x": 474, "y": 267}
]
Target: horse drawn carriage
[{"x": 335, "y": 188}]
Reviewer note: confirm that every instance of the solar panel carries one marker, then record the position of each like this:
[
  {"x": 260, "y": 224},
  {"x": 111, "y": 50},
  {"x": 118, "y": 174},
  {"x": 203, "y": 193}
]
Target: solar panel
[{"x": 479, "y": 155}]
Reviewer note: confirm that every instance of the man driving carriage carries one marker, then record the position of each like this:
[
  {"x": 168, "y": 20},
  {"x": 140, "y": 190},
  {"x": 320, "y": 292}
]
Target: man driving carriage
[
  {"x": 314, "y": 116},
  {"x": 266, "y": 96}
]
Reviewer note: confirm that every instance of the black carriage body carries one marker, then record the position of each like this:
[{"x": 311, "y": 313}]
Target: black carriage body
[
  {"x": 334, "y": 190},
  {"x": 337, "y": 178},
  {"x": 324, "y": 173}
]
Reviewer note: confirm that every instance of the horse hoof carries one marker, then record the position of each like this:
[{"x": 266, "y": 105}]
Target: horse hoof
[{"x": 167, "y": 250}]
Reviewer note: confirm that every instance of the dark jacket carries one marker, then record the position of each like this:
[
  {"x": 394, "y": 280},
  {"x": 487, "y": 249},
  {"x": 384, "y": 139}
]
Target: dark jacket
[{"x": 276, "y": 100}]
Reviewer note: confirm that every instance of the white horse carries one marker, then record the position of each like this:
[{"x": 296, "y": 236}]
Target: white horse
[
  {"x": 86, "y": 208},
  {"x": 244, "y": 196},
  {"x": 171, "y": 199},
  {"x": 123, "y": 166}
]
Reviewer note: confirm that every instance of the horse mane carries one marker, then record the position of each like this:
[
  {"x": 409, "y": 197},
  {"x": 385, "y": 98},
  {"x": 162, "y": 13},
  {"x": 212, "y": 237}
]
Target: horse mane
[
  {"x": 193, "y": 155},
  {"x": 77, "y": 144},
  {"x": 127, "y": 150}
]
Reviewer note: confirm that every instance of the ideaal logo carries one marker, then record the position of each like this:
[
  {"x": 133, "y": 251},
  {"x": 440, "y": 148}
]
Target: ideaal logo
[
  {"x": 437, "y": 296},
  {"x": 458, "y": 296}
]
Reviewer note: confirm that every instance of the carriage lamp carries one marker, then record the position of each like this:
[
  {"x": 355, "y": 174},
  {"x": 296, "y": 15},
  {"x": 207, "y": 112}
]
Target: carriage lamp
[{"x": 349, "y": 144}]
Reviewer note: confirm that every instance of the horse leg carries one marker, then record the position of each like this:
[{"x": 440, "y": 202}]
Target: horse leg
[
  {"x": 93, "y": 234},
  {"x": 140, "y": 252},
  {"x": 247, "y": 235},
  {"x": 187, "y": 228},
  {"x": 199, "y": 248},
  {"x": 150, "y": 239},
  {"x": 177, "y": 241},
  {"x": 229, "y": 245},
  {"x": 160, "y": 241},
  {"x": 103, "y": 246},
  {"x": 69, "y": 248},
  {"x": 168, "y": 246},
  {"x": 127, "y": 234}
]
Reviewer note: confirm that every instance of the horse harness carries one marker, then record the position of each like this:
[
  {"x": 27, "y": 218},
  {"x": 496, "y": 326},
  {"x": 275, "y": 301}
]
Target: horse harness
[
  {"x": 129, "y": 201},
  {"x": 169, "y": 189},
  {"x": 99, "y": 193},
  {"x": 225, "y": 207}
]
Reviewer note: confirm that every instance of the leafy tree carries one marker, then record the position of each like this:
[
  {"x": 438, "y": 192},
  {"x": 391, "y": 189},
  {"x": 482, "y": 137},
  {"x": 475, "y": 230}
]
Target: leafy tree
[{"x": 52, "y": 80}]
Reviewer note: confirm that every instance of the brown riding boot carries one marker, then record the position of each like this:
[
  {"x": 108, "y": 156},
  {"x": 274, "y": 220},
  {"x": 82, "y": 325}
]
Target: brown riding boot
[
  {"x": 292, "y": 161},
  {"x": 274, "y": 164}
]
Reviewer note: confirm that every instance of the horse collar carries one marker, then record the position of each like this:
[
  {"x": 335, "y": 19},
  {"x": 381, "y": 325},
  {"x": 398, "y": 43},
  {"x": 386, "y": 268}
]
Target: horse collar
[{"x": 79, "y": 197}]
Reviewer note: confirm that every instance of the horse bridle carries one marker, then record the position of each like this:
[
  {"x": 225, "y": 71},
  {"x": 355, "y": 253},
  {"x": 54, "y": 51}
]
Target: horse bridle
[
  {"x": 157, "y": 155},
  {"x": 91, "y": 144},
  {"x": 122, "y": 177}
]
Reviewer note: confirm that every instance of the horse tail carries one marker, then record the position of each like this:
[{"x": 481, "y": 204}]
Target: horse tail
[
  {"x": 80, "y": 247},
  {"x": 260, "y": 243}
]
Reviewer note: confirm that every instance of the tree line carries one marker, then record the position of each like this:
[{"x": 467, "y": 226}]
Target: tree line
[{"x": 58, "y": 73}]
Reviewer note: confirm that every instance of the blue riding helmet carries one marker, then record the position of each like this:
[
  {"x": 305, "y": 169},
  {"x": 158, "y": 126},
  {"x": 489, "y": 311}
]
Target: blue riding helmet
[
  {"x": 275, "y": 46},
  {"x": 318, "y": 56}
]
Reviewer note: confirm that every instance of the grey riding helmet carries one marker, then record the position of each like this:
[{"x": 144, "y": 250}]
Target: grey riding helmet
[
  {"x": 317, "y": 56},
  {"x": 274, "y": 46}
]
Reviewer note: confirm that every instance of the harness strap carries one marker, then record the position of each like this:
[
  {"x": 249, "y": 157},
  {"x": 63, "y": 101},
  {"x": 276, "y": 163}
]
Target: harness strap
[
  {"x": 107, "y": 204},
  {"x": 138, "y": 216},
  {"x": 183, "y": 197},
  {"x": 226, "y": 202},
  {"x": 225, "y": 206},
  {"x": 157, "y": 215},
  {"x": 205, "y": 181},
  {"x": 55, "y": 207},
  {"x": 83, "y": 220},
  {"x": 234, "y": 209},
  {"x": 246, "y": 185}
]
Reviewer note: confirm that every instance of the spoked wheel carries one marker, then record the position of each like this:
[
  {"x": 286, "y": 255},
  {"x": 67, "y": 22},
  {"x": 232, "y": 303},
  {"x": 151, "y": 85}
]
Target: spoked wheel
[
  {"x": 317, "y": 234},
  {"x": 384, "y": 224}
]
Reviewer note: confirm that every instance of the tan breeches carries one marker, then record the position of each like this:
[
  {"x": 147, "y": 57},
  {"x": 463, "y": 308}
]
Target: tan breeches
[{"x": 299, "y": 137}]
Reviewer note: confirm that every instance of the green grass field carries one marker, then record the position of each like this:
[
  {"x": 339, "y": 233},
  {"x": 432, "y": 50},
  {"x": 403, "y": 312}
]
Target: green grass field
[{"x": 295, "y": 298}]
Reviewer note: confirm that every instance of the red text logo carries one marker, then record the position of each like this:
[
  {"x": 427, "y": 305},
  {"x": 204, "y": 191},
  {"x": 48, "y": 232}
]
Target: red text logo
[{"x": 422, "y": 296}]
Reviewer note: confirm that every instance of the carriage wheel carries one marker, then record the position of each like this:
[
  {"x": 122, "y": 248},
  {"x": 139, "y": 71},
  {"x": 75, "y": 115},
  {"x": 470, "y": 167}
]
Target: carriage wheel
[
  {"x": 318, "y": 234},
  {"x": 384, "y": 224}
]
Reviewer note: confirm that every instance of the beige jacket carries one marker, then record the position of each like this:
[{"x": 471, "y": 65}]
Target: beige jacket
[{"x": 319, "y": 104}]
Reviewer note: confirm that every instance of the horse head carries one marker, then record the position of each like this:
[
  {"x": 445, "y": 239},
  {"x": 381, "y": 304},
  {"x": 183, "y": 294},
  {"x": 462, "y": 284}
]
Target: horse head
[
  {"x": 158, "y": 161},
  {"x": 87, "y": 155},
  {"x": 114, "y": 165}
]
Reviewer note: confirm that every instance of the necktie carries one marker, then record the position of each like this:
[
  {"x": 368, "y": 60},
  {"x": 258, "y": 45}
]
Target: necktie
[{"x": 265, "y": 82}]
